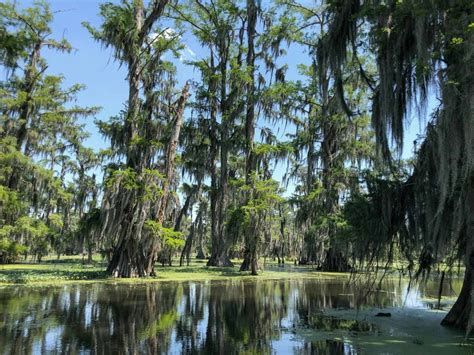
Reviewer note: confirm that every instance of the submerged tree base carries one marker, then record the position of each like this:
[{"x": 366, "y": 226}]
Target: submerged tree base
[
  {"x": 335, "y": 261},
  {"x": 220, "y": 261},
  {"x": 459, "y": 314},
  {"x": 127, "y": 263},
  {"x": 250, "y": 264}
]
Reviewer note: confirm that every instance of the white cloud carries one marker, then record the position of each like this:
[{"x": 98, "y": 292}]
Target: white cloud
[
  {"x": 170, "y": 33},
  {"x": 190, "y": 51},
  {"x": 167, "y": 33}
]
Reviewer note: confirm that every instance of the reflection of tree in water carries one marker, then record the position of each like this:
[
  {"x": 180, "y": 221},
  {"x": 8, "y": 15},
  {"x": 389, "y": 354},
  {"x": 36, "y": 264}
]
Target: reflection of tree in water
[
  {"x": 132, "y": 319},
  {"x": 241, "y": 316},
  {"x": 20, "y": 312},
  {"x": 192, "y": 315},
  {"x": 104, "y": 319},
  {"x": 314, "y": 297},
  {"x": 252, "y": 318},
  {"x": 186, "y": 317},
  {"x": 451, "y": 286}
]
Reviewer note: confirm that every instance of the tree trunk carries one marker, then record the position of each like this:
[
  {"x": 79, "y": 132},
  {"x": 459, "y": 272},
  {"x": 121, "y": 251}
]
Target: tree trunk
[
  {"x": 200, "y": 253},
  {"x": 186, "y": 252},
  {"x": 187, "y": 247},
  {"x": 250, "y": 255},
  {"x": 251, "y": 239},
  {"x": 125, "y": 262},
  {"x": 220, "y": 257},
  {"x": 184, "y": 210},
  {"x": 335, "y": 261},
  {"x": 89, "y": 254},
  {"x": 219, "y": 252},
  {"x": 200, "y": 229},
  {"x": 245, "y": 266},
  {"x": 220, "y": 247},
  {"x": 169, "y": 174},
  {"x": 215, "y": 240},
  {"x": 128, "y": 259},
  {"x": 171, "y": 151},
  {"x": 250, "y": 263},
  {"x": 459, "y": 314}
]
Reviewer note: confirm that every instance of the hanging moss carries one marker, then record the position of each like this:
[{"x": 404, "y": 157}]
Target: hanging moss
[{"x": 420, "y": 45}]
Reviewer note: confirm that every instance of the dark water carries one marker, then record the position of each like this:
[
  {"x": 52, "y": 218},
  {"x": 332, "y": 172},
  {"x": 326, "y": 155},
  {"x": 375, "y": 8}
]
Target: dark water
[{"x": 194, "y": 317}]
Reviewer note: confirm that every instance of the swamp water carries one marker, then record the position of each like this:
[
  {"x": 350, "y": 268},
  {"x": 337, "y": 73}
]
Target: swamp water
[{"x": 307, "y": 316}]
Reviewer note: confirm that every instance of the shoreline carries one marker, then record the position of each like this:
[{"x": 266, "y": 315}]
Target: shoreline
[
  {"x": 56, "y": 274},
  {"x": 52, "y": 272}
]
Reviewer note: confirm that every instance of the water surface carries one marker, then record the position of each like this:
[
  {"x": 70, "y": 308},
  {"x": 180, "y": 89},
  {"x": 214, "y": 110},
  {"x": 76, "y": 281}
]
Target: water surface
[{"x": 226, "y": 317}]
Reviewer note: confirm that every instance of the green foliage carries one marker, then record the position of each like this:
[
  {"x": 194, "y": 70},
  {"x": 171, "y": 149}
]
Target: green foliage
[
  {"x": 265, "y": 194},
  {"x": 126, "y": 178},
  {"x": 169, "y": 237},
  {"x": 50, "y": 272},
  {"x": 147, "y": 184},
  {"x": 359, "y": 214},
  {"x": 10, "y": 202},
  {"x": 40, "y": 139},
  {"x": 10, "y": 251}
]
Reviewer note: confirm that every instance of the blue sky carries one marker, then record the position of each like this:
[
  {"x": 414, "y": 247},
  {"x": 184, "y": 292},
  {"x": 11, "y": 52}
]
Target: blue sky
[{"x": 92, "y": 65}]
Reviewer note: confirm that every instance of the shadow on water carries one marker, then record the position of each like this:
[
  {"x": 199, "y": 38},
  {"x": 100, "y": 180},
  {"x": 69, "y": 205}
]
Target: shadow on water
[{"x": 223, "y": 317}]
